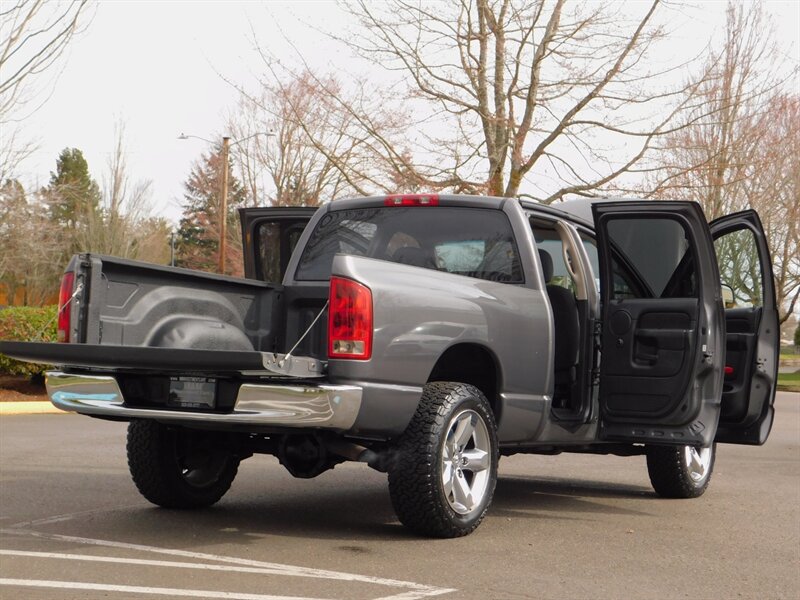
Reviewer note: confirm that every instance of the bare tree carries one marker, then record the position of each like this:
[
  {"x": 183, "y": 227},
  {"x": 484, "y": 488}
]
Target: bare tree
[
  {"x": 742, "y": 152},
  {"x": 774, "y": 190},
  {"x": 507, "y": 91},
  {"x": 126, "y": 207},
  {"x": 34, "y": 35},
  {"x": 302, "y": 139}
]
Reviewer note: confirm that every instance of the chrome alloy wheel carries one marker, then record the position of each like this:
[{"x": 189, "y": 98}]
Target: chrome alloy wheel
[
  {"x": 466, "y": 462},
  {"x": 697, "y": 462}
]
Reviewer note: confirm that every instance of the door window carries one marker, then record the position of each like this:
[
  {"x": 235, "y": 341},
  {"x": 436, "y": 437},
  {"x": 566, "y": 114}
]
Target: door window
[
  {"x": 739, "y": 269},
  {"x": 275, "y": 242},
  {"x": 652, "y": 259}
]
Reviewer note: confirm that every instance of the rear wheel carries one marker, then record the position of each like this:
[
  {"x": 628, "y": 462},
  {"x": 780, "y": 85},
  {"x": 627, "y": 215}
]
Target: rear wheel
[
  {"x": 680, "y": 471},
  {"x": 179, "y": 468},
  {"x": 443, "y": 474}
]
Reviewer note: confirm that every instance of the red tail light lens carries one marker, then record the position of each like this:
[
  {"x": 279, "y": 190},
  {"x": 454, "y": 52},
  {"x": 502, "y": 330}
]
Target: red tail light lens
[
  {"x": 349, "y": 320},
  {"x": 412, "y": 200},
  {"x": 65, "y": 306}
]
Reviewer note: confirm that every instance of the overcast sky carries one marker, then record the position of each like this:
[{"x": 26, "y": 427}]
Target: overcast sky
[{"x": 157, "y": 66}]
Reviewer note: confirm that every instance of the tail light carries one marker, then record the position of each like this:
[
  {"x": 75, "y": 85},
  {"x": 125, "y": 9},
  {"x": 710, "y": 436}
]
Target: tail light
[
  {"x": 412, "y": 200},
  {"x": 65, "y": 306},
  {"x": 349, "y": 320}
]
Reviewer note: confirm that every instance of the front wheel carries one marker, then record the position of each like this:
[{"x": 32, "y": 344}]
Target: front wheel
[
  {"x": 443, "y": 474},
  {"x": 179, "y": 468},
  {"x": 680, "y": 471}
]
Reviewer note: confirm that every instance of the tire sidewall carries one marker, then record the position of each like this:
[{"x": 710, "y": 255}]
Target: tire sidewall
[
  {"x": 471, "y": 399},
  {"x": 157, "y": 471},
  {"x": 701, "y": 484},
  {"x": 173, "y": 466},
  {"x": 670, "y": 474}
]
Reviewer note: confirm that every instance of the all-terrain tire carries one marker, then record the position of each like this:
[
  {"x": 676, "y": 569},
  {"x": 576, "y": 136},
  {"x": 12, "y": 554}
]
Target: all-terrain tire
[
  {"x": 680, "y": 471},
  {"x": 450, "y": 446},
  {"x": 179, "y": 468}
]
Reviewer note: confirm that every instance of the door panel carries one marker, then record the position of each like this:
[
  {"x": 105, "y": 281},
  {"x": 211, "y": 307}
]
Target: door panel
[
  {"x": 740, "y": 343},
  {"x": 269, "y": 235},
  {"x": 752, "y": 331},
  {"x": 661, "y": 365},
  {"x": 651, "y": 342}
]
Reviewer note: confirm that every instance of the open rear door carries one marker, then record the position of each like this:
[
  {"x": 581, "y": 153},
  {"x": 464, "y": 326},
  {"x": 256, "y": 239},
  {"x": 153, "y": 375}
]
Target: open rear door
[
  {"x": 662, "y": 324},
  {"x": 752, "y": 332},
  {"x": 269, "y": 235}
]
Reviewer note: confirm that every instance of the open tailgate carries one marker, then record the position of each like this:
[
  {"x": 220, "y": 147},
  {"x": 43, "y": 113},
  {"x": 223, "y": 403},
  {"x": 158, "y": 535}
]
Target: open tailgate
[{"x": 166, "y": 360}]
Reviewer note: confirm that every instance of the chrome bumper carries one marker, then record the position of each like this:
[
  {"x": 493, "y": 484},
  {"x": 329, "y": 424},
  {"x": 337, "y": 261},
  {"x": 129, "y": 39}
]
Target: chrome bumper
[{"x": 317, "y": 406}]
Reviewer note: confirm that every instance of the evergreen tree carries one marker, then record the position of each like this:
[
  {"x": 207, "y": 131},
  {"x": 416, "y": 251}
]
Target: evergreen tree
[
  {"x": 198, "y": 235},
  {"x": 73, "y": 196}
]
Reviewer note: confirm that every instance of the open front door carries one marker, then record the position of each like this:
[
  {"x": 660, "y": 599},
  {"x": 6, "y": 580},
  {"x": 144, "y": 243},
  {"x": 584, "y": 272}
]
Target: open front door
[
  {"x": 752, "y": 334},
  {"x": 662, "y": 324},
  {"x": 269, "y": 235}
]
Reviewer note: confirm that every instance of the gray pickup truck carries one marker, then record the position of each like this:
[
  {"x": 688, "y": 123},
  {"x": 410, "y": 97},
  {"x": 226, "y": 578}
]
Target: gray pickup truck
[{"x": 427, "y": 335}]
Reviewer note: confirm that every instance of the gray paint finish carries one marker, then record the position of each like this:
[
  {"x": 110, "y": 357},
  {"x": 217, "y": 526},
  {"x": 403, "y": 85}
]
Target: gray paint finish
[{"x": 512, "y": 322}]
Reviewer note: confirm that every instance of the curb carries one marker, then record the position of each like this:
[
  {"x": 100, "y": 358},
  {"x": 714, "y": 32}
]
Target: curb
[{"x": 29, "y": 408}]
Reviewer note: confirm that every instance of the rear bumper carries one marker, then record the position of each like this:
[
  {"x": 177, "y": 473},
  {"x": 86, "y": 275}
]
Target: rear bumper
[{"x": 332, "y": 407}]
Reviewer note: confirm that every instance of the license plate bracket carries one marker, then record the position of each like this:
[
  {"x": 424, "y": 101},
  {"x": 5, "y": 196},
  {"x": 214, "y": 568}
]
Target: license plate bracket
[{"x": 192, "y": 392}]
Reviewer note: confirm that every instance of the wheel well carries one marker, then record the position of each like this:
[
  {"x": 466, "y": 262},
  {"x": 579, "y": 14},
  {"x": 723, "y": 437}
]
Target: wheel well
[{"x": 472, "y": 364}]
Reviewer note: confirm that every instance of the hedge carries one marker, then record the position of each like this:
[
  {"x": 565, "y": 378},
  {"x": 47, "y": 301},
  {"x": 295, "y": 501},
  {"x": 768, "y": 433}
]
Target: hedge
[{"x": 26, "y": 323}]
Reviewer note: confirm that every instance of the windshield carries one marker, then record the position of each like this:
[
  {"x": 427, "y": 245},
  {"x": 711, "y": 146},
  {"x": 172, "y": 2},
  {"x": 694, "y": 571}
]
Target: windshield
[{"x": 474, "y": 242}]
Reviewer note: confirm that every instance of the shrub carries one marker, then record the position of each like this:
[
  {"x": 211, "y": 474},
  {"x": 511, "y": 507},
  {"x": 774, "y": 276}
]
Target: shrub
[{"x": 25, "y": 323}]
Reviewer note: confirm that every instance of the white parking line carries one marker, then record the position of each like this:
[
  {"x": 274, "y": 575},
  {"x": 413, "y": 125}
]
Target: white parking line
[
  {"x": 135, "y": 589},
  {"x": 143, "y": 562},
  {"x": 415, "y": 591}
]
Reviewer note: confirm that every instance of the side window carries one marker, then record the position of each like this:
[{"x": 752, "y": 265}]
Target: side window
[
  {"x": 652, "y": 259},
  {"x": 275, "y": 242},
  {"x": 739, "y": 269}
]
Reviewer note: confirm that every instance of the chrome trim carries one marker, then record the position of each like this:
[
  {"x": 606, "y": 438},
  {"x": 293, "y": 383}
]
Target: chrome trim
[
  {"x": 293, "y": 366},
  {"x": 321, "y": 406}
]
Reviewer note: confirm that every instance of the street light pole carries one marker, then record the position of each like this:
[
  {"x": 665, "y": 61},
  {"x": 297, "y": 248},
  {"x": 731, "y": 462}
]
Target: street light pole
[
  {"x": 223, "y": 205},
  {"x": 223, "y": 193}
]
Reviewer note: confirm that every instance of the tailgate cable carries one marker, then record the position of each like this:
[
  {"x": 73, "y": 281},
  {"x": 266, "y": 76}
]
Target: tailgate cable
[
  {"x": 38, "y": 336},
  {"x": 288, "y": 355}
]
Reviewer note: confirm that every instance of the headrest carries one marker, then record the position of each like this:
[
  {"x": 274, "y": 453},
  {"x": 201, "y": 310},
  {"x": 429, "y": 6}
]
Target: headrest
[
  {"x": 416, "y": 257},
  {"x": 547, "y": 265}
]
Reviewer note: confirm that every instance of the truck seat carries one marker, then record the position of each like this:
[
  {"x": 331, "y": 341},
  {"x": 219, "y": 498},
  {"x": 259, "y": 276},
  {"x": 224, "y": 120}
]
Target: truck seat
[
  {"x": 565, "y": 322},
  {"x": 415, "y": 257}
]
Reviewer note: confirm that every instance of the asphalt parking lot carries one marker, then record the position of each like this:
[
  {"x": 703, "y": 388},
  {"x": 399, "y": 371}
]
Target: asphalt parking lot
[{"x": 73, "y": 526}]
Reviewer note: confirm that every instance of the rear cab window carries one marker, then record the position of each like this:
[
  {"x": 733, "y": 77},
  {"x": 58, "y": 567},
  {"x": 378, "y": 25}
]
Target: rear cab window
[{"x": 474, "y": 242}]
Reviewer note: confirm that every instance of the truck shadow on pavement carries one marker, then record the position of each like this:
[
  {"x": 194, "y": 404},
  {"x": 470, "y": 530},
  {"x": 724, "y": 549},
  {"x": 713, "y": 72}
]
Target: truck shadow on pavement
[
  {"x": 349, "y": 515},
  {"x": 530, "y": 497}
]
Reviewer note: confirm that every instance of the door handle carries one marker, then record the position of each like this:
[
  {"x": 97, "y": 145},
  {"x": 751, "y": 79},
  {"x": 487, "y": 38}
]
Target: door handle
[{"x": 663, "y": 339}]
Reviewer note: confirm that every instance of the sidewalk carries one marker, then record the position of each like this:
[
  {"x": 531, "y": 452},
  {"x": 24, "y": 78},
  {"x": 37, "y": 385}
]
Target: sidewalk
[{"x": 29, "y": 408}]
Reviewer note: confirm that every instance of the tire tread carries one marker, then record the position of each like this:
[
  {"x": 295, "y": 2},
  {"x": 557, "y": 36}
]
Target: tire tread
[
  {"x": 412, "y": 486},
  {"x": 155, "y": 475}
]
